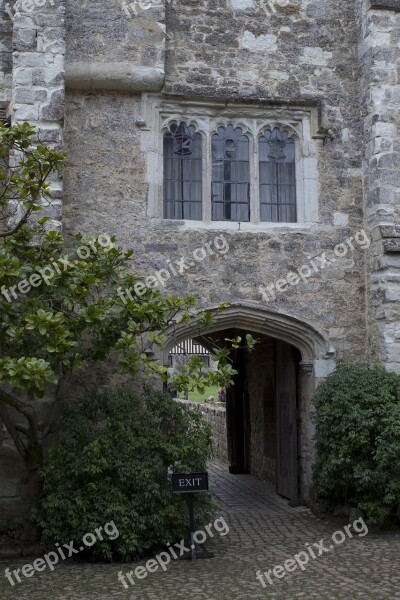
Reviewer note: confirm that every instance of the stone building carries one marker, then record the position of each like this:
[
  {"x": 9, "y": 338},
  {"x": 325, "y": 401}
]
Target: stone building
[{"x": 259, "y": 141}]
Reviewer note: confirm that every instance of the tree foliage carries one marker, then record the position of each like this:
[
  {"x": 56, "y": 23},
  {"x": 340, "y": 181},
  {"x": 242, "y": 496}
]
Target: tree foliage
[
  {"x": 63, "y": 303},
  {"x": 24, "y": 176},
  {"x": 112, "y": 465}
]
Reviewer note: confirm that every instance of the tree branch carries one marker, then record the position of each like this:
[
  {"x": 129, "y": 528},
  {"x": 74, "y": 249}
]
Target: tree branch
[
  {"x": 10, "y": 426},
  {"x": 22, "y": 222},
  {"x": 57, "y": 408},
  {"x": 25, "y": 410}
]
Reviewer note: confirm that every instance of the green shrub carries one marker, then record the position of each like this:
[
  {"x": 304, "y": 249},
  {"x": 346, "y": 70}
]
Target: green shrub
[
  {"x": 111, "y": 465},
  {"x": 358, "y": 440}
]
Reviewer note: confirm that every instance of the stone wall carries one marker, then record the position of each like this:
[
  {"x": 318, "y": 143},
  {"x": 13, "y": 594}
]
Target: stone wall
[
  {"x": 216, "y": 417},
  {"x": 5, "y": 52},
  {"x": 115, "y": 45},
  {"x": 215, "y": 49},
  {"x": 303, "y": 55},
  {"x": 335, "y": 58},
  {"x": 380, "y": 95},
  {"x": 302, "y": 52},
  {"x": 38, "y": 81}
]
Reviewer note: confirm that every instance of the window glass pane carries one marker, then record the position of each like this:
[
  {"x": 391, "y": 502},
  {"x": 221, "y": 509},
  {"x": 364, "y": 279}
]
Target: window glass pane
[
  {"x": 277, "y": 155},
  {"x": 168, "y": 169},
  {"x": 169, "y": 190},
  {"x": 243, "y": 148},
  {"x": 268, "y": 194},
  {"x": 217, "y": 192},
  {"x": 168, "y": 210},
  {"x": 182, "y": 173},
  {"x": 287, "y": 195},
  {"x": 187, "y": 169},
  {"x": 241, "y": 212},
  {"x": 263, "y": 148},
  {"x": 168, "y": 145},
  {"x": 286, "y": 174},
  {"x": 290, "y": 151},
  {"x": 291, "y": 212},
  {"x": 230, "y": 175},
  {"x": 218, "y": 171},
  {"x": 268, "y": 173},
  {"x": 179, "y": 210},
  {"x": 242, "y": 193},
  {"x": 197, "y": 149},
  {"x": 197, "y": 170},
  {"x": 243, "y": 172},
  {"x": 186, "y": 210},
  {"x": 217, "y": 211},
  {"x": 265, "y": 212},
  {"x": 196, "y": 211},
  {"x": 196, "y": 192},
  {"x": 186, "y": 190}
]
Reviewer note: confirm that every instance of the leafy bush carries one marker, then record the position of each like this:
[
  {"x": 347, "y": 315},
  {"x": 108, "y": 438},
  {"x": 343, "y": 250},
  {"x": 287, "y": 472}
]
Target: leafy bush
[
  {"x": 112, "y": 465},
  {"x": 358, "y": 440}
]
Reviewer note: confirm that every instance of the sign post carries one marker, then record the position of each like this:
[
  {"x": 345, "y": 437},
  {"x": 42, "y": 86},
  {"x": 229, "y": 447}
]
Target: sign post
[{"x": 190, "y": 484}]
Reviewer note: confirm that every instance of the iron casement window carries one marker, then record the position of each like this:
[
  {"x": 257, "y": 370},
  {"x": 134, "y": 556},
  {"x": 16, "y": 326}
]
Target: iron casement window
[
  {"x": 230, "y": 195},
  {"x": 277, "y": 172},
  {"x": 182, "y": 173},
  {"x": 230, "y": 172}
]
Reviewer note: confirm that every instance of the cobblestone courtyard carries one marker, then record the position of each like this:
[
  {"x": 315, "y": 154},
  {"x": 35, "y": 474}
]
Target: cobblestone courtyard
[{"x": 264, "y": 532}]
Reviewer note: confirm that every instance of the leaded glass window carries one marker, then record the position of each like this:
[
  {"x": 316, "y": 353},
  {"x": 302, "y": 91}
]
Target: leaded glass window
[
  {"x": 182, "y": 173},
  {"x": 277, "y": 156},
  {"x": 230, "y": 175}
]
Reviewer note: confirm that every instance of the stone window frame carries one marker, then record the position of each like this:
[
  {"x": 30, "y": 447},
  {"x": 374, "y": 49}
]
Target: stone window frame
[{"x": 157, "y": 114}]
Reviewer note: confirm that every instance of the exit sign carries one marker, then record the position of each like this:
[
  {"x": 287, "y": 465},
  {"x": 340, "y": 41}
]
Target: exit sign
[{"x": 189, "y": 483}]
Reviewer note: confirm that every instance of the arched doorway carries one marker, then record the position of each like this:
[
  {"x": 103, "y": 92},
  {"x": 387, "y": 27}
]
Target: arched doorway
[
  {"x": 262, "y": 413},
  {"x": 269, "y": 426}
]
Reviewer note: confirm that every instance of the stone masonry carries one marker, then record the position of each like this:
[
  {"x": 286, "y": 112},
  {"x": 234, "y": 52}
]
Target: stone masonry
[
  {"x": 215, "y": 416},
  {"x": 327, "y": 70}
]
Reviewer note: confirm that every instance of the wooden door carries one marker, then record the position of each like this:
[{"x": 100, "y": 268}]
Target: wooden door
[{"x": 286, "y": 411}]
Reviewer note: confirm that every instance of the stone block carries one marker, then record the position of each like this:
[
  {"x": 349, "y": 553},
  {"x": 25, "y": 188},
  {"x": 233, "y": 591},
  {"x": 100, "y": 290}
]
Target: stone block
[
  {"x": 23, "y": 96},
  {"x": 54, "y": 110},
  {"x": 22, "y": 76},
  {"x": 25, "y": 39}
]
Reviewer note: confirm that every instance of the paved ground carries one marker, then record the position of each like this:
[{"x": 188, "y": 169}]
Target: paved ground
[{"x": 263, "y": 533}]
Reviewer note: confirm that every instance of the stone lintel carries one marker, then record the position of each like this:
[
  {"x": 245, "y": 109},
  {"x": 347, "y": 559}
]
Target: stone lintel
[
  {"x": 391, "y": 245},
  {"x": 386, "y": 4},
  {"x": 390, "y": 231},
  {"x": 114, "y": 76}
]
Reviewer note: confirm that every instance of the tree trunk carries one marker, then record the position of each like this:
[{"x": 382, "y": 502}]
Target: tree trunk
[
  {"x": 34, "y": 491},
  {"x": 29, "y": 444}
]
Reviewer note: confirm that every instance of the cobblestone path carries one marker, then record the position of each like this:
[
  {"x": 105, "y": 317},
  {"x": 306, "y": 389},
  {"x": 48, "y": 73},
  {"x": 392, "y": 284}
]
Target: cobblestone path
[{"x": 264, "y": 532}]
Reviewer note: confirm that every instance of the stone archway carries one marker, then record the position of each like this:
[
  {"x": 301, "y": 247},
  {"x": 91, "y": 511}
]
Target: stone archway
[{"x": 299, "y": 355}]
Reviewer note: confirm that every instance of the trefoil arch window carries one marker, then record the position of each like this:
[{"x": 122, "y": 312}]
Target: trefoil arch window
[
  {"x": 213, "y": 165},
  {"x": 277, "y": 177},
  {"x": 240, "y": 190},
  {"x": 230, "y": 193},
  {"x": 182, "y": 172}
]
